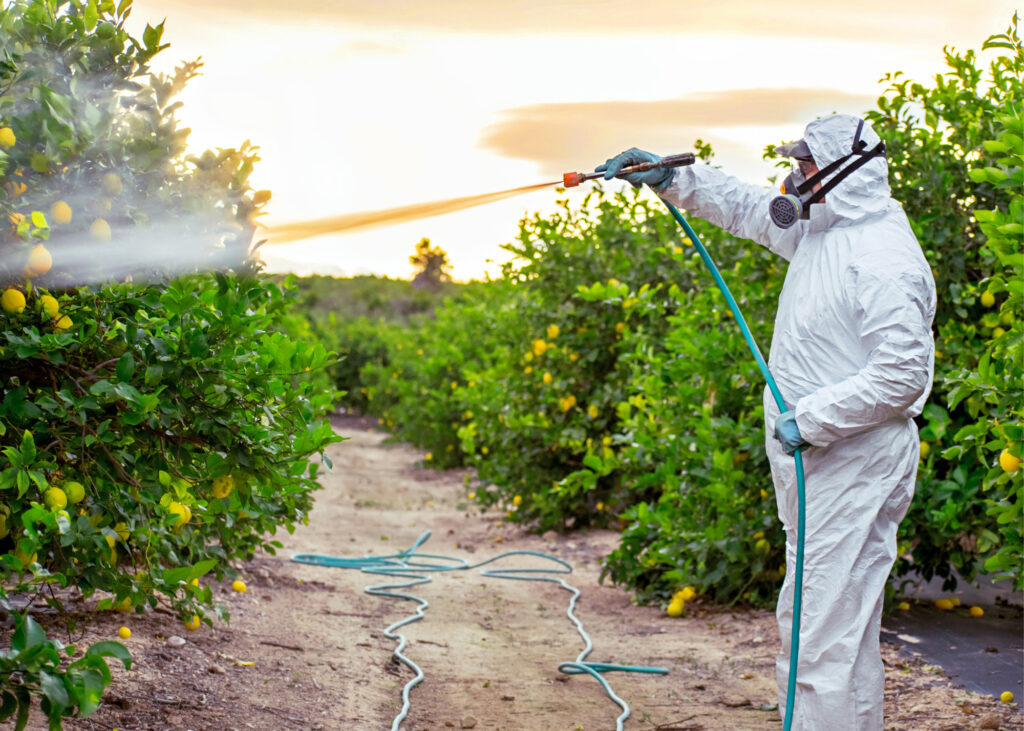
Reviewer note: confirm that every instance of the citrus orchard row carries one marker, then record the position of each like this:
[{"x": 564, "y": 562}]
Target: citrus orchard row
[{"x": 601, "y": 380}]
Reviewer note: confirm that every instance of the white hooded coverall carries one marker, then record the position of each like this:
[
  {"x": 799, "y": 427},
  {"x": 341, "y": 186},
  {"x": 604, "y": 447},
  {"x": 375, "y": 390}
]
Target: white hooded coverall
[{"x": 853, "y": 354}]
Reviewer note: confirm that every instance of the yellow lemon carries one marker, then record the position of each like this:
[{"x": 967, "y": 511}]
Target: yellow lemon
[
  {"x": 223, "y": 485},
  {"x": 925, "y": 449},
  {"x": 74, "y": 491},
  {"x": 1006, "y": 697},
  {"x": 112, "y": 184},
  {"x": 998, "y": 332},
  {"x": 539, "y": 347},
  {"x": 955, "y": 601},
  {"x": 7, "y": 138},
  {"x": 517, "y": 500},
  {"x": 239, "y": 586},
  {"x": 472, "y": 496},
  {"x": 50, "y": 305},
  {"x": 552, "y": 332},
  {"x": 100, "y": 230},
  {"x": 943, "y": 604},
  {"x": 64, "y": 323},
  {"x": 429, "y": 456},
  {"x": 61, "y": 212},
  {"x": 548, "y": 378},
  {"x": 124, "y": 633},
  {"x": 25, "y": 559},
  {"x": 55, "y": 499},
  {"x": 977, "y": 612},
  {"x": 762, "y": 545},
  {"x": 181, "y": 512},
  {"x": 1007, "y": 461},
  {"x": 988, "y": 299},
  {"x": 39, "y": 260},
  {"x": 903, "y": 607},
  {"x": 194, "y": 582},
  {"x": 619, "y": 327},
  {"x": 592, "y": 411},
  {"x": 192, "y": 624},
  {"x": 12, "y": 301},
  {"x": 686, "y": 593},
  {"x": 675, "y": 608}
]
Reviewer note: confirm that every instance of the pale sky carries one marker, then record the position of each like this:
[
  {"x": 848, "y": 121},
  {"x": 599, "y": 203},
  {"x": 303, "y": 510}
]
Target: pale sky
[{"x": 370, "y": 104}]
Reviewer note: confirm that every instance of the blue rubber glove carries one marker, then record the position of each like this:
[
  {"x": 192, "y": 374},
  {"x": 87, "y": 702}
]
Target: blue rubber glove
[
  {"x": 654, "y": 178},
  {"x": 788, "y": 434}
]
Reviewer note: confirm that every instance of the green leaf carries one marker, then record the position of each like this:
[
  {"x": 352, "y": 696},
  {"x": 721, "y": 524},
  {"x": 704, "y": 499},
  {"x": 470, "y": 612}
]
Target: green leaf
[
  {"x": 125, "y": 367},
  {"x": 54, "y": 690},
  {"x": 8, "y": 705},
  {"x": 28, "y": 448},
  {"x": 90, "y": 15},
  {"x": 28, "y": 634},
  {"x": 111, "y": 649}
]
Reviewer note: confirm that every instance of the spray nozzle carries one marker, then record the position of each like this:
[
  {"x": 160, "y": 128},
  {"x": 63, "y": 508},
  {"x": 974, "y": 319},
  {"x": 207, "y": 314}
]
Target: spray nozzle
[{"x": 571, "y": 180}]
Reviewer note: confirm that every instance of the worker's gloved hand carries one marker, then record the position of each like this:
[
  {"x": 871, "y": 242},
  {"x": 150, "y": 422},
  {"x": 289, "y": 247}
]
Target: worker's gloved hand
[
  {"x": 654, "y": 178},
  {"x": 788, "y": 434}
]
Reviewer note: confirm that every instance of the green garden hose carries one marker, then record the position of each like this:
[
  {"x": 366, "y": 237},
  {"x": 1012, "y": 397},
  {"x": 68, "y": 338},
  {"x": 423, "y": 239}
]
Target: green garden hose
[
  {"x": 798, "y": 574},
  {"x": 414, "y": 566}
]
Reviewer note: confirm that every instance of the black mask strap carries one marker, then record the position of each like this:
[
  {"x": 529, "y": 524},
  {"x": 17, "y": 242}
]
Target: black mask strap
[
  {"x": 879, "y": 149},
  {"x": 858, "y": 149}
]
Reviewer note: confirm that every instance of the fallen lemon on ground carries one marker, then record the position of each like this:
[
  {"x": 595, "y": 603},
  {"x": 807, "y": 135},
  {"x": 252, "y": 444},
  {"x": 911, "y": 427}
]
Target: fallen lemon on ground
[
  {"x": 676, "y": 607},
  {"x": 239, "y": 586},
  {"x": 192, "y": 624},
  {"x": 1006, "y": 697},
  {"x": 39, "y": 260},
  {"x": 686, "y": 593},
  {"x": 61, "y": 212},
  {"x": 903, "y": 607},
  {"x": 124, "y": 633},
  {"x": 1007, "y": 461},
  {"x": 12, "y": 301},
  {"x": 977, "y": 612},
  {"x": 944, "y": 604}
]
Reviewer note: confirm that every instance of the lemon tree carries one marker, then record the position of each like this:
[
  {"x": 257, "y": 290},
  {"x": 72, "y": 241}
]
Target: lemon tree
[{"x": 157, "y": 424}]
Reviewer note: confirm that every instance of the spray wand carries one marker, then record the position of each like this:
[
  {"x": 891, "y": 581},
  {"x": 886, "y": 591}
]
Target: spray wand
[
  {"x": 571, "y": 180},
  {"x": 687, "y": 158}
]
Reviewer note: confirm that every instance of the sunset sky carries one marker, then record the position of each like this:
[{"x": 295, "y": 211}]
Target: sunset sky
[{"x": 372, "y": 104}]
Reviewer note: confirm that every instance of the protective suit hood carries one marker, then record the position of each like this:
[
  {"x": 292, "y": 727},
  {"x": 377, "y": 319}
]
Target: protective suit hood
[{"x": 866, "y": 191}]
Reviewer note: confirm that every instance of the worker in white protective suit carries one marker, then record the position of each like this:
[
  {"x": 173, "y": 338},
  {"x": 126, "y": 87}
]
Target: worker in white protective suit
[{"x": 853, "y": 357}]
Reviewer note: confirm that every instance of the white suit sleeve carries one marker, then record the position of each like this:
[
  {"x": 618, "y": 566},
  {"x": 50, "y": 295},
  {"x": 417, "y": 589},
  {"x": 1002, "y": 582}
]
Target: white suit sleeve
[
  {"x": 729, "y": 203},
  {"x": 894, "y": 328}
]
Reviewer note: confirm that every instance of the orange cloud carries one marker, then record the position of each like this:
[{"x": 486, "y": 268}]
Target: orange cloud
[
  {"x": 561, "y": 136},
  {"x": 910, "y": 22}
]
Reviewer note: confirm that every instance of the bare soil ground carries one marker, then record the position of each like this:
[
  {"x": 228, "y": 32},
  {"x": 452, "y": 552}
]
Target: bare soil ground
[{"x": 305, "y": 650}]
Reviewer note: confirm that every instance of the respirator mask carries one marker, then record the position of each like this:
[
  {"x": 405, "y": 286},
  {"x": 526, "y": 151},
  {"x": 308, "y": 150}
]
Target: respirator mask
[{"x": 795, "y": 202}]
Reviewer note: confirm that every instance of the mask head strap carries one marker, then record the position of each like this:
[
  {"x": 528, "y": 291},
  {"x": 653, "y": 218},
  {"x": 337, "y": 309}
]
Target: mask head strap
[{"x": 858, "y": 148}]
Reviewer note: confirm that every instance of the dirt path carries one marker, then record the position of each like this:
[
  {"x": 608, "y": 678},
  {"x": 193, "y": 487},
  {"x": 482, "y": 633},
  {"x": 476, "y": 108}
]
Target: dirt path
[{"x": 304, "y": 648}]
